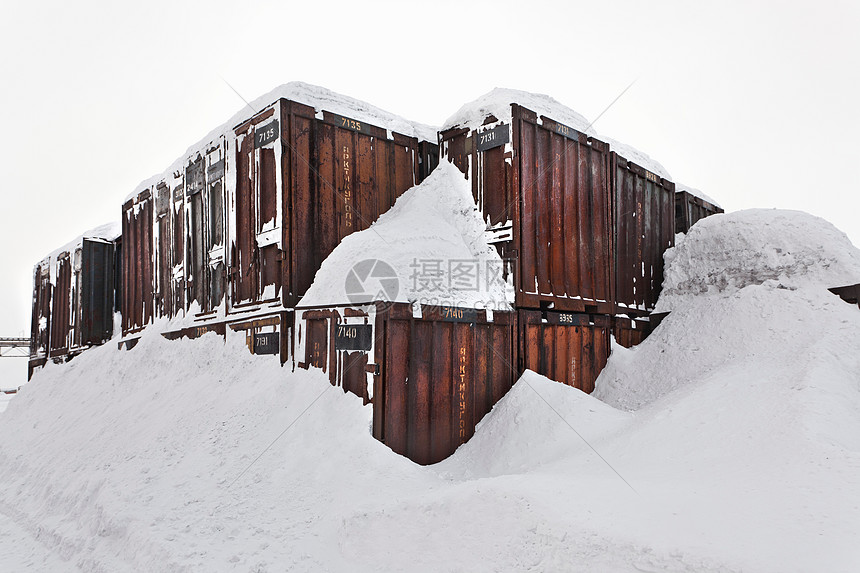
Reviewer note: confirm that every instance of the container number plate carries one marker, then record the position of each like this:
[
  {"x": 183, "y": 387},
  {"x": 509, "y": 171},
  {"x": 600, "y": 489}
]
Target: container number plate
[
  {"x": 348, "y": 123},
  {"x": 566, "y": 131},
  {"x": 491, "y": 138},
  {"x": 267, "y": 343},
  {"x": 454, "y": 314},
  {"x": 267, "y": 134},
  {"x": 353, "y": 336},
  {"x": 567, "y": 318}
]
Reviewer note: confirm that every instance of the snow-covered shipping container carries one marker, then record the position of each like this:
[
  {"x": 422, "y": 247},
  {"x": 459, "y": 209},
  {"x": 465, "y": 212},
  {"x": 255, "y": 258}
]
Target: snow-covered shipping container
[
  {"x": 74, "y": 298},
  {"x": 431, "y": 372},
  {"x": 689, "y": 208},
  {"x": 543, "y": 187},
  {"x": 643, "y": 227}
]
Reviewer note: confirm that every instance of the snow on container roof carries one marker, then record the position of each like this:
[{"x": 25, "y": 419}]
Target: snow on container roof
[
  {"x": 432, "y": 241},
  {"x": 640, "y": 158},
  {"x": 680, "y": 187},
  {"x": 321, "y": 99},
  {"x": 107, "y": 232},
  {"x": 726, "y": 252},
  {"x": 498, "y": 103}
]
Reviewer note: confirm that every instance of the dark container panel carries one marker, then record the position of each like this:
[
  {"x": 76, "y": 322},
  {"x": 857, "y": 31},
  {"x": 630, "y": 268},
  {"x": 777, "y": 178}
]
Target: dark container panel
[
  {"x": 61, "y": 320},
  {"x": 570, "y": 348},
  {"x": 644, "y": 228},
  {"x": 41, "y": 311},
  {"x": 96, "y": 292},
  {"x": 689, "y": 209}
]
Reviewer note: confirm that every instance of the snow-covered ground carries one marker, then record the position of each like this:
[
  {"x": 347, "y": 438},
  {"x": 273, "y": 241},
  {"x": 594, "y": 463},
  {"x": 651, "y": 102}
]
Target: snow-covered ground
[{"x": 727, "y": 441}]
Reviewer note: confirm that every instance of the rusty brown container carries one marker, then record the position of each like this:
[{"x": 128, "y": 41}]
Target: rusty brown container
[
  {"x": 138, "y": 297},
  {"x": 41, "y": 316},
  {"x": 61, "y": 319},
  {"x": 571, "y": 348},
  {"x": 689, "y": 209},
  {"x": 433, "y": 376},
  {"x": 303, "y": 183},
  {"x": 629, "y": 332},
  {"x": 644, "y": 227},
  {"x": 545, "y": 189}
]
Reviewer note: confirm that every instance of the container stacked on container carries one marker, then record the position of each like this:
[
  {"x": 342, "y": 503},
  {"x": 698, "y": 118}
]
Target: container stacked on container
[
  {"x": 543, "y": 186},
  {"x": 74, "y": 292},
  {"x": 229, "y": 238}
]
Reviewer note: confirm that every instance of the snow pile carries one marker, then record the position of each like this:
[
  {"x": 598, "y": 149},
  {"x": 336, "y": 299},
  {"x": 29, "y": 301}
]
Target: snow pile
[
  {"x": 724, "y": 253},
  {"x": 432, "y": 247},
  {"x": 498, "y": 103},
  {"x": 742, "y": 453},
  {"x": 679, "y": 187}
]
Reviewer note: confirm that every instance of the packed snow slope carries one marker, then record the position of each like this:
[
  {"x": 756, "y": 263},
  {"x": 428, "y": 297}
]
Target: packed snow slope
[
  {"x": 728, "y": 441},
  {"x": 432, "y": 228}
]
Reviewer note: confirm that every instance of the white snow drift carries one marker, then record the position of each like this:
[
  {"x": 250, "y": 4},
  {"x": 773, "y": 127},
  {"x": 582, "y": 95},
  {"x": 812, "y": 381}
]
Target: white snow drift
[{"x": 727, "y": 441}]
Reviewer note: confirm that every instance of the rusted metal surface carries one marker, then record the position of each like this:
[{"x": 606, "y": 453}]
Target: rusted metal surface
[
  {"x": 547, "y": 197},
  {"x": 629, "y": 332},
  {"x": 428, "y": 159},
  {"x": 644, "y": 227},
  {"x": 137, "y": 263},
  {"x": 61, "y": 318},
  {"x": 438, "y": 378},
  {"x": 850, "y": 294},
  {"x": 689, "y": 209},
  {"x": 431, "y": 378},
  {"x": 346, "y": 368},
  {"x": 571, "y": 348},
  {"x": 41, "y": 311}
]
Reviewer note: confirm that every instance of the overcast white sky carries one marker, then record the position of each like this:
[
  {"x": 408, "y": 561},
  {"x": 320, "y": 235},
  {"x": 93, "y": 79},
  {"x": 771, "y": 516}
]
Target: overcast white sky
[{"x": 754, "y": 103}]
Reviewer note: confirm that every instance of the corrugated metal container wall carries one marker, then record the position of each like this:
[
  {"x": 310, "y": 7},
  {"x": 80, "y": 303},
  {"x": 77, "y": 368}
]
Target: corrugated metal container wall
[
  {"x": 548, "y": 202},
  {"x": 630, "y": 332},
  {"x": 322, "y": 329},
  {"x": 61, "y": 308},
  {"x": 137, "y": 263},
  {"x": 689, "y": 209},
  {"x": 341, "y": 175},
  {"x": 566, "y": 347},
  {"x": 644, "y": 226},
  {"x": 438, "y": 377},
  {"x": 215, "y": 252},
  {"x": 96, "y": 292},
  {"x": 41, "y": 318}
]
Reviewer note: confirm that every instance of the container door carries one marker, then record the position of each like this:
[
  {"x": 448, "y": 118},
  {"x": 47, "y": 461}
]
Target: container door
[
  {"x": 196, "y": 265},
  {"x": 177, "y": 251},
  {"x": 61, "y": 307},
  {"x": 257, "y": 252},
  {"x": 216, "y": 160},
  {"x": 162, "y": 246}
]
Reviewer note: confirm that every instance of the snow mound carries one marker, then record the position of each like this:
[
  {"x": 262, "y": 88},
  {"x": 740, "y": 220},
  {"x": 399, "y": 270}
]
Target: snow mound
[
  {"x": 679, "y": 187},
  {"x": 432, "y": 230},
  {"x": 534, "y": 424},
  {"x": 498, "y": 103},
  {"x": 724, "y": 253}
]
